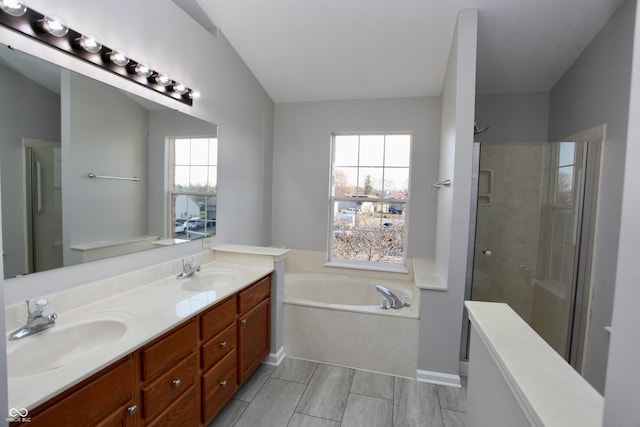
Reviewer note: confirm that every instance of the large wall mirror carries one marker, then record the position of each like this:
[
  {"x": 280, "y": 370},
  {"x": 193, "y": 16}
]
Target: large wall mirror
[{"x": 89, "y": 171}]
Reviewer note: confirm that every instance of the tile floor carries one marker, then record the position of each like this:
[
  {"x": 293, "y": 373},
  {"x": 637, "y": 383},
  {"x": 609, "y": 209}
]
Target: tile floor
[{"x": 300, "y": 393}]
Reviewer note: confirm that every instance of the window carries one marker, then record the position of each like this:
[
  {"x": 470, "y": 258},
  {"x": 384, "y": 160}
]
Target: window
[
  {"x": 193, "y": 187},
  {"x": 369, "y": 199}
]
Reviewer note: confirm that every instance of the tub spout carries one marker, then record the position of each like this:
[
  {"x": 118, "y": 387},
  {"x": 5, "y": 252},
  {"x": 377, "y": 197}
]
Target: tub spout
[{"x": 392, "y": 299}]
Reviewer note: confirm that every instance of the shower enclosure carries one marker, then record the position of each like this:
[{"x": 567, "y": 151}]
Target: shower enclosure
[{"x": 530, "y": 245}]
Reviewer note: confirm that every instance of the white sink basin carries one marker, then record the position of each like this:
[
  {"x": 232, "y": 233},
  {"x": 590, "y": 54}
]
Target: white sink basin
[
  {"x": 66, "y": 342},
  {"x": 207, "y": 280}
]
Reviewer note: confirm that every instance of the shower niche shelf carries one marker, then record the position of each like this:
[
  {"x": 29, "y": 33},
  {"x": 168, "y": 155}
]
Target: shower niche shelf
[{"x": 485, "y": 187}]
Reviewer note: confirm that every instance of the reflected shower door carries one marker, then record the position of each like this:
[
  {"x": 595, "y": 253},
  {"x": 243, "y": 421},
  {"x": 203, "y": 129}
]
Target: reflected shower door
[
  {"x": 44, "y": 205},
  {"x": 527, "y": 233}
]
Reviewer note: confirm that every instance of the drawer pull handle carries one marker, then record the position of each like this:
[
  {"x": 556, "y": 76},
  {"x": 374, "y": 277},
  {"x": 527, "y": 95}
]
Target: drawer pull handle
[
  {"x": 243, "y": 321},
  {"x": 132, "y": 410},
  {"x": 223, "y": 383},
  {"x": 176, "y": 383},
  {"x": 223, "y": 344}
]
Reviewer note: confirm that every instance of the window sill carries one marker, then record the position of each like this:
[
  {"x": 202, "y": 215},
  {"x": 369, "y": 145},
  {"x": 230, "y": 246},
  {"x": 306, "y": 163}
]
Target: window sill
[{"x": 371, "y": 267}]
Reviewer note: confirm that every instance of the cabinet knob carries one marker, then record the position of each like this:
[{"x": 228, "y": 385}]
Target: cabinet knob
[
  {"x": 176, "y": 383},
  {"x": 243, "y": 321},
  {"x": 223, "y": 344},
  {"x": 223, "y": 383},
  {"x": 132, "y": 410}
]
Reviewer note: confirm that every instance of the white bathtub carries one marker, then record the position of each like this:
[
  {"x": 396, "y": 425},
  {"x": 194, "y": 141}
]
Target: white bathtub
[{"x": 337, "y": 319}]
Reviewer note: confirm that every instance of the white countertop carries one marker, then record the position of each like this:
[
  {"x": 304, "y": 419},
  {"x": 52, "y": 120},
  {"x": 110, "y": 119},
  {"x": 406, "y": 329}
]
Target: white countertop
[
  {"x": 550, "y": 391},
  {"x": 149, "y": 310}
]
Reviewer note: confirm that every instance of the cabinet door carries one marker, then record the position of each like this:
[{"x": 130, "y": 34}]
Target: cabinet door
[
  {"x": 254, "y": 339},
  {"x": 104, "y": 396}
]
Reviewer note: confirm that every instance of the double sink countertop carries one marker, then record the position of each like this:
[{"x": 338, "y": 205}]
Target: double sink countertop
[{"x": 121, "y": 318}]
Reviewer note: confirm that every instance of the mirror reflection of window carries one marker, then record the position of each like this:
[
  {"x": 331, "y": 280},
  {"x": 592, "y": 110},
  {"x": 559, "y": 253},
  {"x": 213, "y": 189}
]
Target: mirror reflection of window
[{"x": 194, "y": 186}]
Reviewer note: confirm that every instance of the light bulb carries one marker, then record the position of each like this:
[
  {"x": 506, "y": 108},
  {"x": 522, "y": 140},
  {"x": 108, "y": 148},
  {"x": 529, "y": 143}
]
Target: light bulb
[
  {"x": 118, "y": 57},
  {"x": 14, "y": 7},
  {"x": 89, "y": 42},
  {"x": 143, "y": 69},
  {"x": 163, "y": 79},
  {"x": 180, "y": 89},
  {"x": 53, "y": 25}
]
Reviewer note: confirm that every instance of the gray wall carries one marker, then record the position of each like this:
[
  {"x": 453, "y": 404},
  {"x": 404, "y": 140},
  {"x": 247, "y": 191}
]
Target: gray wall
[
  {"x": 103, "y": 132},
  {"x": 521, "y": 117},
  {"x": 441, "y": 312},
  {"x": 301, "y": 165},
  {"x": 621, "y": 406},
  {"x": 593, "y": 91},
  {"x": 27, "y": 110}
]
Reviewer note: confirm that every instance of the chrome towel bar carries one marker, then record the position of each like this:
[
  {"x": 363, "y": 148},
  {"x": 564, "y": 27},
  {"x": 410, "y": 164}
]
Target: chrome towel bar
[{"x": 125, "y": 178}]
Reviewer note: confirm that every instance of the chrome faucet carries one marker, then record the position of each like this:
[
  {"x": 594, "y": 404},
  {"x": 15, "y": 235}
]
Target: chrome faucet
[
  {"x": 391, "y": 300},
  {"x": 36, "y": 322},
  {"x": 189, "y": 268}
]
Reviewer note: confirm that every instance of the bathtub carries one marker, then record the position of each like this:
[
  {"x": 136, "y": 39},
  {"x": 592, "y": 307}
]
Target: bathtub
[{"x": 337, "y": 319}]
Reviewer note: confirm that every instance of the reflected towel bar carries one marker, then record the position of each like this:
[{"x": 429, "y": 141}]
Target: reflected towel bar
[
  {"x": 126, "y": 178},
  {"x": 437, "y": 185}
]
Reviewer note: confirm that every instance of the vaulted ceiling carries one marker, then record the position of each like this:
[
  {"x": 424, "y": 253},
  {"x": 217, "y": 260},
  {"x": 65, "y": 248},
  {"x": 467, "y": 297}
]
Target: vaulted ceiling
[{"x": 359, "y": 49}]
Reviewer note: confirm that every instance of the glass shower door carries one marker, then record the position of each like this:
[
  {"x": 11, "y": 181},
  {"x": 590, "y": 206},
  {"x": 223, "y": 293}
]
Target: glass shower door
[{"x": 527, "y": 233}]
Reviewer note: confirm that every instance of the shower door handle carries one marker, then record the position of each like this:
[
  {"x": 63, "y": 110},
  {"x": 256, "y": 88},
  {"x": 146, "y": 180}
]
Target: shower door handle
[
  {"x": 38, "y": 187},
  {"x": 486, "y": 252}
]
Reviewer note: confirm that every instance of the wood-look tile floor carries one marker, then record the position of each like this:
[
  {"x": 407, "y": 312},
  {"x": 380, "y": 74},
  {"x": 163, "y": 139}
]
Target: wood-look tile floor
[{"x": 300, "y": 393}]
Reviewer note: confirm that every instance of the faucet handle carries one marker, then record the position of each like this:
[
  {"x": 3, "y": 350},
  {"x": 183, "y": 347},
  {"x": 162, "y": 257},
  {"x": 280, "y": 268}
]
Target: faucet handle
[{"x": 36, "y": 307}]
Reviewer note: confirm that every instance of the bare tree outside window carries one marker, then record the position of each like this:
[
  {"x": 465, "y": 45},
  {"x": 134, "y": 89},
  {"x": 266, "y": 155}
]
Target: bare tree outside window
[{"x": 369, "y": 197}]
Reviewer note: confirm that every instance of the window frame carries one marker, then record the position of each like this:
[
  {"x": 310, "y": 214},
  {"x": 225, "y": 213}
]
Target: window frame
[
  {"x": 399, "y": 267},
  {"x": 172, "y": 193}
]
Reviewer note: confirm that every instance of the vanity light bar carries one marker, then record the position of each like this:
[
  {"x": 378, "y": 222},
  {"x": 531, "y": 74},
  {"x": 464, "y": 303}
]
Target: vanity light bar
[{"x": 53, "y": 31}]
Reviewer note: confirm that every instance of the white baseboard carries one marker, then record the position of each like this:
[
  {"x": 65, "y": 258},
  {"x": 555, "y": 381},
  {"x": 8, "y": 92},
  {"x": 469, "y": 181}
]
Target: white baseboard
[
  {"x": 274, "y": 359},
  {"x": 439, "y": 378}
]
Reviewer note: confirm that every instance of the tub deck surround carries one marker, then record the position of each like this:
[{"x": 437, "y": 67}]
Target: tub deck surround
[
  {"x": 152, "y": 308},
  {"x": 348, "y": 293},
  {"x": 337, "y": 319},
  {"x": 514, "y": 373}
]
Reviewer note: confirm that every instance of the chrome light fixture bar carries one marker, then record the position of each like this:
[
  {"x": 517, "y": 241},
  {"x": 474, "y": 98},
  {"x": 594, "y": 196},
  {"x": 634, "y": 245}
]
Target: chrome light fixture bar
[{"x": 54, "y": 32}]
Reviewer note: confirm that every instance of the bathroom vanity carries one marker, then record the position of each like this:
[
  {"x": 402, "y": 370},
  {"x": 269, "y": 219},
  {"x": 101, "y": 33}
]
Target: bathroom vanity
[{"x": 183, "y": 374}]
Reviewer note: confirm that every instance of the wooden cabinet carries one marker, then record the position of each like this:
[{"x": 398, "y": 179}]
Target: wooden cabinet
[
  {"x": 219, "y": 357},
  {"x": 185, "y": 377},
  {"x": 106, "y": 399},
  {"x": 169, "y": 370},
  {"x": 253, "y": 339}
]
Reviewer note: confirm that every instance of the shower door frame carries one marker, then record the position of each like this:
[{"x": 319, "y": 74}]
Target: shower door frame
[{"x": 593, "y": 140}]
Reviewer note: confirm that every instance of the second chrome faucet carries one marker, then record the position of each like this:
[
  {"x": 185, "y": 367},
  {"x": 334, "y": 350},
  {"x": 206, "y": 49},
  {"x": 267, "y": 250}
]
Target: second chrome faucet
[{"x": 189, "y": 268}]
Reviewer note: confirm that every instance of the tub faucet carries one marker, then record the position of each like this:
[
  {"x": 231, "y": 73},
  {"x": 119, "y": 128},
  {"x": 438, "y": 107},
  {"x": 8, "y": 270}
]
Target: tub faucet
[
  {"x": 36, "y": 322},
  {"x": 189, "y": 268},
  {"x": 392, "y": 301}
]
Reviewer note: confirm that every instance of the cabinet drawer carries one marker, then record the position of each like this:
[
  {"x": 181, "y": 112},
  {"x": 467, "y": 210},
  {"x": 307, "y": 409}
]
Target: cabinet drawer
[
  {"x": 219, "y": 346},
  {"x": 104, "y": 394},
  {"x": 183, "y": 412},
  {"x": 252, "y": 296},
  {"x": 218, "y": 386},
  {"x": 160, "y": 393},
  {"x": 163, "y": 354},
  {"x": 218, "y": 318}
]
